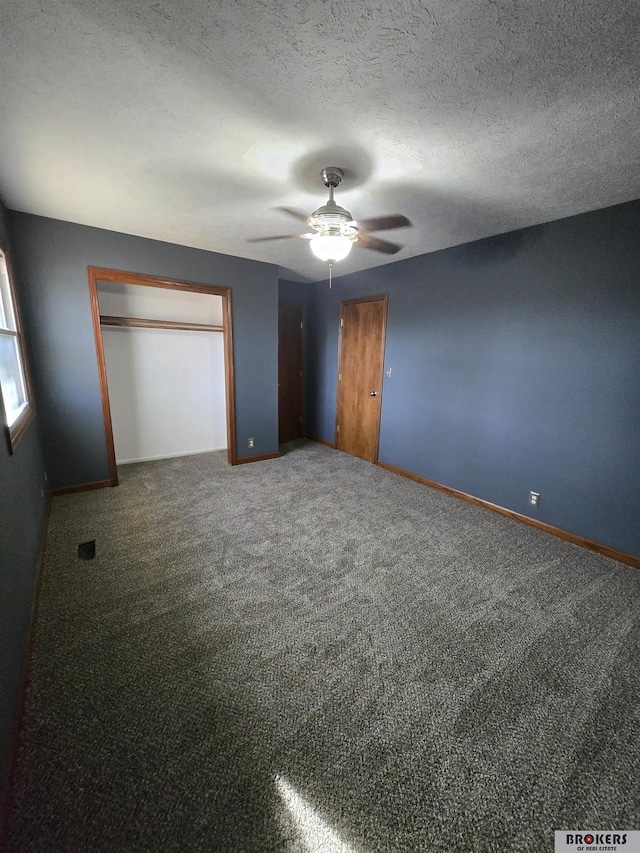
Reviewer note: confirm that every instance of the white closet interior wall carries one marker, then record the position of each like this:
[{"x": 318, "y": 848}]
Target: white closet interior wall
[{"x": 166, "y": 386}]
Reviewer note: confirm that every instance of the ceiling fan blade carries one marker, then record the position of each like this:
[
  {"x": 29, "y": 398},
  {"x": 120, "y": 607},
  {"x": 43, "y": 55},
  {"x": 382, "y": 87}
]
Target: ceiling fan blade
[
  {"x": 278, "y": 237},
  {"x": 297, "y": 214},
  {"x": 366, "y": 241},
  {"x": 384, "y": 223}
]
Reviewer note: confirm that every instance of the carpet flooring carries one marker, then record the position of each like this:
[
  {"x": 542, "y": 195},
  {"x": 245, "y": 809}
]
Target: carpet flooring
[{"x": 312, "y": 655}]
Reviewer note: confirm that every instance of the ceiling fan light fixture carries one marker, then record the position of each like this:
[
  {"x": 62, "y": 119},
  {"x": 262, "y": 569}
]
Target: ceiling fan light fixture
[
  {"x": 335, "y": 228},
  {"x": 330, "y": 247}
]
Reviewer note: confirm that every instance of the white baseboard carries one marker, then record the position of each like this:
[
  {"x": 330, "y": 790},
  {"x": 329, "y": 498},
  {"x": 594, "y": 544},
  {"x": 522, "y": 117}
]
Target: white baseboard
[{"x": 168, "y": 456}]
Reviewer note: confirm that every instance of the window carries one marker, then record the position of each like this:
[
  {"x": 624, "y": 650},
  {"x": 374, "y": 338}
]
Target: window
[{"x": 14, "y": 383}]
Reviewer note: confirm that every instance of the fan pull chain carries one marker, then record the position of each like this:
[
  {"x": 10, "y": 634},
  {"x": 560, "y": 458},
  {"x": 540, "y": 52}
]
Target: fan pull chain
[{"x": 330, "y": 268}]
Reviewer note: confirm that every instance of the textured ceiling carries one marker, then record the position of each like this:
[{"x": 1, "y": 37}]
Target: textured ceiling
[{"x": 189, "y": 121}]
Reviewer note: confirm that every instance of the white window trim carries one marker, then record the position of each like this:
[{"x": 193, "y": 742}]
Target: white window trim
[{"x": 16, "y": 430}]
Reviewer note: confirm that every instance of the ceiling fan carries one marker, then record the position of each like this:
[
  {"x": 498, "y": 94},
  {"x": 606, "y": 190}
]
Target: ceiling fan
[{"x": 335, "y": 230}]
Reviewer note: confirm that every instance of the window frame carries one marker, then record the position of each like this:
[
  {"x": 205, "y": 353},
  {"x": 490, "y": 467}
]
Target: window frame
[{"x": 15, "y": 433}]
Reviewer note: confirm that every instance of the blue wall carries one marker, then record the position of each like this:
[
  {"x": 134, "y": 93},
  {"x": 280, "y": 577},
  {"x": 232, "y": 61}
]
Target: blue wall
[
  {"x": 515, "y": 367},
  {"x": 293, "y": 292},
  {"x": 52, "y": 258},
  {"x": 22, "y": 509}
]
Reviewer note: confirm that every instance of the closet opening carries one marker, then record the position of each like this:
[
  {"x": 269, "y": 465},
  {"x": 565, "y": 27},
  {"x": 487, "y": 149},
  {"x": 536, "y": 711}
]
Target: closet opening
[{"x": 165, "y": 360}]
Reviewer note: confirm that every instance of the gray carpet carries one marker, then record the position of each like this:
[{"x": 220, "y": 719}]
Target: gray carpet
[{"x": 310, "y": 655}]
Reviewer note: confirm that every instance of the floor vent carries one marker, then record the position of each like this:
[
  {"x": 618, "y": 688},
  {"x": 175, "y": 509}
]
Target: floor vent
[{"x": 87, "y": 550}]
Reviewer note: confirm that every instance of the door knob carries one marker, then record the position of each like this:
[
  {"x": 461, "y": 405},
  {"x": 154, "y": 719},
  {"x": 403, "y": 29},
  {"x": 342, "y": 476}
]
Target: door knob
[{"x": 373, "y": 393}]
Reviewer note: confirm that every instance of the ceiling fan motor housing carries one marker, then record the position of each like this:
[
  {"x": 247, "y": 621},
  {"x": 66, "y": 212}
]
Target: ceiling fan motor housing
[{"x": 331, "y": 219}]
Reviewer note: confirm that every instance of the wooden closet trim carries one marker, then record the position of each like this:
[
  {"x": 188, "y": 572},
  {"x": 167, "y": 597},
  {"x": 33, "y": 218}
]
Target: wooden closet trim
[{"x": 96, "y": 274}]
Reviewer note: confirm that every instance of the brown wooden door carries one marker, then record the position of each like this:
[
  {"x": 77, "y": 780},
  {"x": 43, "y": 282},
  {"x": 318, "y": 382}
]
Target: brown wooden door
[
  {"x": 290, "y": 378},
  {"x": 362, "y": 336}
]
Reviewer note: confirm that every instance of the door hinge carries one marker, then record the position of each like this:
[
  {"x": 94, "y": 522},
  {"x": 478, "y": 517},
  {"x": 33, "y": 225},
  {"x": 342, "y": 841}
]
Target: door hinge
[
  {"x": 338, "y": 428},
  {"x": 341, "y": 321},
  {"x": 300, "y": 373},
  {"x": 339, "y": 377},
  {"x": 302, "y": 325}
]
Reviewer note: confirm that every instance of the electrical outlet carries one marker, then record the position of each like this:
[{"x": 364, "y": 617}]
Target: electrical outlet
[
  {"x": 534, "y": 499},
  {"x": 250, "y": 443}
]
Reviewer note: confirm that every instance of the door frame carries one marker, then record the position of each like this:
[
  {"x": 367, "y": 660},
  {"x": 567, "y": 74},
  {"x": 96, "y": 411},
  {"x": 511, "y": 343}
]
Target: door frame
[
  {"x": 96, "y": 274},
  {"x": 378, "y": 297}
]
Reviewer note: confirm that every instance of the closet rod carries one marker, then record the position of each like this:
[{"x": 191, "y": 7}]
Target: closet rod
[{"x": 139, "y": 322}]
